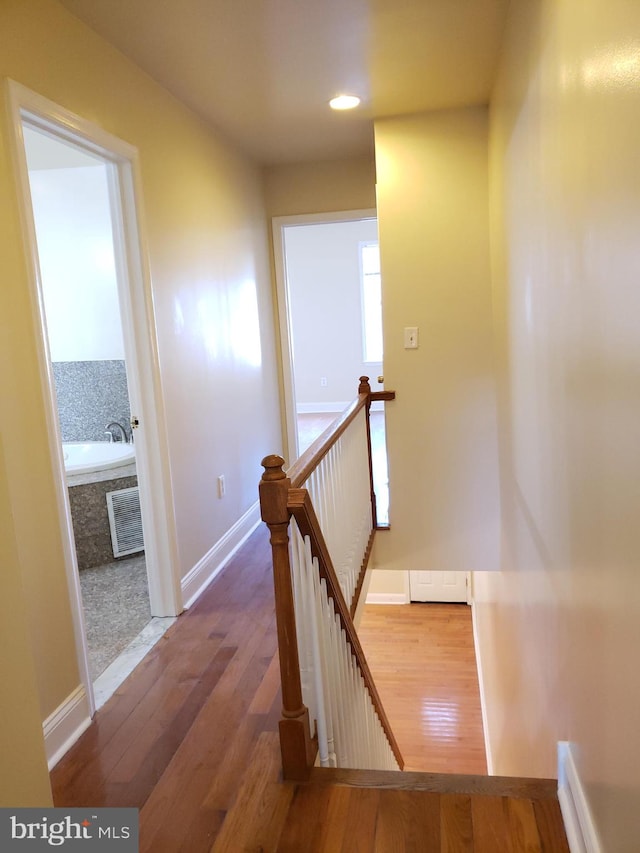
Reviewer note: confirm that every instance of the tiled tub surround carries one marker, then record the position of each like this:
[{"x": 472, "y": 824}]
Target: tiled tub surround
[
  {"x": 90, "y": 517},
  {"x": 90, "y": 395}
]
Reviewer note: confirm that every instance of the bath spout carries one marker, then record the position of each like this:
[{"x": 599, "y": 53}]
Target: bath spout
[{"x": 116, "y": 425}]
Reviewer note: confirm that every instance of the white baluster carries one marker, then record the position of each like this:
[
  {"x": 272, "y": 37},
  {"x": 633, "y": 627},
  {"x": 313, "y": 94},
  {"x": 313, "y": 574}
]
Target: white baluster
[{"x": 349, "y": 731}]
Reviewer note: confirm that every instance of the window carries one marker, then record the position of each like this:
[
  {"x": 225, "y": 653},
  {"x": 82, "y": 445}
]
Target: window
[{"x": 371, "y": 301}]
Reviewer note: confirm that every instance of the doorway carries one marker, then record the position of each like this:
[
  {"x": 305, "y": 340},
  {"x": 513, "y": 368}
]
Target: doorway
[
  {"x": 98, "y": 366},
  {"x": 329, "y": 298},
  {"x": 450, "y": 587},
  {"x": 73, "y": 223}
]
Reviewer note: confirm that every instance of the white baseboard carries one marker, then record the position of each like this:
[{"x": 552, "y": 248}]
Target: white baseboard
[
  {"x": 63, "y": 728},
  {"x": 483, "y": 699},
  {"x": 206, "y": 569},
  {"x": 387, "y": 598},
  {"x": 576, "y": 814}
]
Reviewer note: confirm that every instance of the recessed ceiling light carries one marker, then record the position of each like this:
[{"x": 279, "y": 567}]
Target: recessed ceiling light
[{"x": 344, "y": 102}]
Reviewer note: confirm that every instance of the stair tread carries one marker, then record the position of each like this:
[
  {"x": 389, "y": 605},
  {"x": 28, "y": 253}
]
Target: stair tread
[{"x": 503, "y": 786}]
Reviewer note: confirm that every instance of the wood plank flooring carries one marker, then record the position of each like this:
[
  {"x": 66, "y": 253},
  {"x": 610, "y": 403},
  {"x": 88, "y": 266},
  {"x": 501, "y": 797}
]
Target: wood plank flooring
[
  {"x": 340, "y": 811},
  {"x": 176, "y": 737},
  {"x": 423, "y": 661},
  {"x": 190, "y": 738}
]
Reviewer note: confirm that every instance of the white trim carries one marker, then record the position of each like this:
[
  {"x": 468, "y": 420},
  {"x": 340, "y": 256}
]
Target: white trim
[
  {"x": 278, "y": 224},
  {"x": 388, "y": 598},
  {"x": 579, "y": 825},
  {"x": 483, "y": 698},
  {"x": 63, "y": 728},
  {"x": 17, "y": 97},
  {"x": 286, "y": 349},
  {"x": 206, "y": 569},
  {"x": 145, "y": 392}
]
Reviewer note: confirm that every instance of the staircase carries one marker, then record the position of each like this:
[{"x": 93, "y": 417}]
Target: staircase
[
  {"x": 310, "y": 790},
  {"x": 387, "y": 811}
]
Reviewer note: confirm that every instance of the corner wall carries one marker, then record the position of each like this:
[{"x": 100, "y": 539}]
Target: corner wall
[
  {"x": 320, "y": 187},
  {"x": 441, "y": 430},
  {"x": 559, "y": 628}
]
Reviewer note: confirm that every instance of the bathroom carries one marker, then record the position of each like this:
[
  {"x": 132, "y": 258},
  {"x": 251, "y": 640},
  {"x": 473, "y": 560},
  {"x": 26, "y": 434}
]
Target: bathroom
[{"x": 72, "y": 215}]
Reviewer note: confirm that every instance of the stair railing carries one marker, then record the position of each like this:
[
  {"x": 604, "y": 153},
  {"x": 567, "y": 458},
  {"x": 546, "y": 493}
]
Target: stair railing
[{"x": 331, "y": 707}]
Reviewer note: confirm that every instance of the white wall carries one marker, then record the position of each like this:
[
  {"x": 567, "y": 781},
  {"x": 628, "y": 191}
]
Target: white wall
[
  {"x": 73, "y": 226},
  {"x": 323, "y": 271}
]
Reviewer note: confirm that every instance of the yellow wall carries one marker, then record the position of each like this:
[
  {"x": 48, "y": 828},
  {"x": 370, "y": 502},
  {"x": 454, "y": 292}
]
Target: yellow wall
[
  {"x": 559, "y": 629},
  {"x": 441, "y": 437},
  {"x": 24, "y": 779},
  {"x": 320, "y": 187},
  {"x": 208, "y": 255}
]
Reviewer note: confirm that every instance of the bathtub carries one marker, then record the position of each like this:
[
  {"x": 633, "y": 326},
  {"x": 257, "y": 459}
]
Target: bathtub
[{"x": 82, "y": 457}]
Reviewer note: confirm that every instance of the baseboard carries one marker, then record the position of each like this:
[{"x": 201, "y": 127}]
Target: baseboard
[
  {"x": 387, "y": 598},
  {"x": 63, "y": 728},
  {"x": 483, "y": 699},
  {"x": 206, "y": 569},
  {"x": 576, "y": 814}
]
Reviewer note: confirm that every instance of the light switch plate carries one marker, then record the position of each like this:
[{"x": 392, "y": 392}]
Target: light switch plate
[{"x": 411, "y": 337}]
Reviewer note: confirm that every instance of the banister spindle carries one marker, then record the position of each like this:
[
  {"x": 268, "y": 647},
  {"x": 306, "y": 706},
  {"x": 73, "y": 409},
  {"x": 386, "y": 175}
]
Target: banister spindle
[{"x": 297, "y": 747}]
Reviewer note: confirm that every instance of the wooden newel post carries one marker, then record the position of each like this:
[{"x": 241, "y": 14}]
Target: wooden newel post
[
  {"x": 297, "y": 747},
  {"x": 365, "y": 388}
]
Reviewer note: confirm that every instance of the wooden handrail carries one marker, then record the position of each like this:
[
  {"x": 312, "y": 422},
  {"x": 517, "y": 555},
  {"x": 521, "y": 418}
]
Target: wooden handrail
[{"x": 300, "y": 506}]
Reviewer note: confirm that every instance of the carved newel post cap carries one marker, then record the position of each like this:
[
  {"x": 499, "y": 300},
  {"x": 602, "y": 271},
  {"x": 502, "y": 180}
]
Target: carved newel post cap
[
  {"x": 364, "y": 387},
  {"x": 272, "y": 465}
]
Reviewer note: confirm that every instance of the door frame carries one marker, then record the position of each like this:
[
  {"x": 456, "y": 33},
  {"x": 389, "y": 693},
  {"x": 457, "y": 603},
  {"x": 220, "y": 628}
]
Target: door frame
[
  {"x": 141, "y": 351},
  {"x": 283, "y": 300}
]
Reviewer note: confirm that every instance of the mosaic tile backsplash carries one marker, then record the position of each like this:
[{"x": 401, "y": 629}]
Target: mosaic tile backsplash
[{"x": 90, "y": 395}]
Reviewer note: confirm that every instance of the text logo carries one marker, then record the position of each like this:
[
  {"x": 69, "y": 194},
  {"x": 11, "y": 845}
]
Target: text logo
[{"x": 69, "y": 829}]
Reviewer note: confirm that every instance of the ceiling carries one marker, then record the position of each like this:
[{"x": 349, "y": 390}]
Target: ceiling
[{"x": 262, "y": 71}]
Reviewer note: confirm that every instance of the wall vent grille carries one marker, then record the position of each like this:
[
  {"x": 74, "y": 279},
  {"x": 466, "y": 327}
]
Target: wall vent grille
[{"x": 125, "y": 521}]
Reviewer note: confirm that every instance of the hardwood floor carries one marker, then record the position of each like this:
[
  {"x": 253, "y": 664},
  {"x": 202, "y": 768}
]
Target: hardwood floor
[
  {"x": 190, "y": 738},
  {"x": 178, "y": 734},
  {"x": 340, "y": 811},
  {"x": 423, "y": 661},
  {"x": 310, "y": 426}
]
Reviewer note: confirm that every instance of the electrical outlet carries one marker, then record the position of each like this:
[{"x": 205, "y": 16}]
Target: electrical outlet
[
  {"x": 323, "y": 381},
  {"x": 221, "y": 486}
]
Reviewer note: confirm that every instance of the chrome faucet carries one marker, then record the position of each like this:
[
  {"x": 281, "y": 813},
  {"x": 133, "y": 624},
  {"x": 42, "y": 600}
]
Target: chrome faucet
[{"x": 109, "y": 430}]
